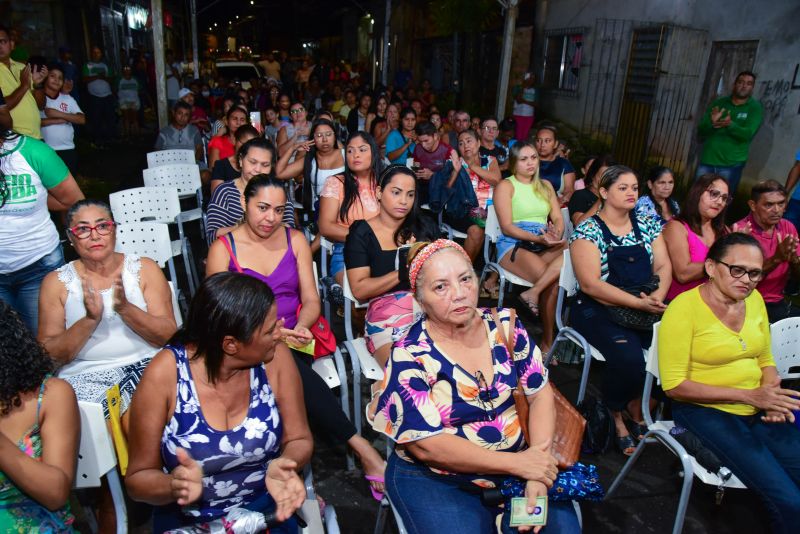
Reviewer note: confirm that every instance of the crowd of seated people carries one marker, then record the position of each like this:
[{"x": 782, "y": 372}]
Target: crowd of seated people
[{"x": 219, "y": 414}]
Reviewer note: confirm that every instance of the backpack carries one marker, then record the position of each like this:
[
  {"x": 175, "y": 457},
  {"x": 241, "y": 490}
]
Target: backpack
[{"x": 600, "y": 429}]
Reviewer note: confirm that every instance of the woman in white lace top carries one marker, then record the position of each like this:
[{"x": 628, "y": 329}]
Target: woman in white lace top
[{"x": 104, "y": 315}]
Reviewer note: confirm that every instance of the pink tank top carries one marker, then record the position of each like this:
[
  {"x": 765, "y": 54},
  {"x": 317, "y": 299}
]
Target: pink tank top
[{"x": 697, "y": 253}]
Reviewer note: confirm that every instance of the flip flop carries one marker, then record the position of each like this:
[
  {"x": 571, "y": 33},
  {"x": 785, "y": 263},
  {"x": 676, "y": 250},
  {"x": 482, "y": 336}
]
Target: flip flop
[
  {"x": 377, "y": 495},
  {"x": 626, "y": 445}
]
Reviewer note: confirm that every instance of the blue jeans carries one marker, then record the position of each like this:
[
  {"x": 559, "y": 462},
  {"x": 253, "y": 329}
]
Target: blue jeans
[
  {"x": 337, "y": 259},
  {"x": 765, "y": 456},
  {"x": 623, "y": 377},
  {"x": 732, "y": 174},
  {"x": 792, "y": 213},
  {"x": 20, "y": 289},
  {"x": 429, "y": 502}
]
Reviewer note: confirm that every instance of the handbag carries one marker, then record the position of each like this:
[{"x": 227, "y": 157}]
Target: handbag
[
  {"x": 324, "y": 340},
  {"x": 636, "y": 319},
  {"x": 536, "y": 248},
  {"x": 570, "y": 424}
]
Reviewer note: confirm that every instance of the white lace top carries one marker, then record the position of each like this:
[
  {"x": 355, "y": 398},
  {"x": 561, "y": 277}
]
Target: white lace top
[{"x": 113, "y": 343}]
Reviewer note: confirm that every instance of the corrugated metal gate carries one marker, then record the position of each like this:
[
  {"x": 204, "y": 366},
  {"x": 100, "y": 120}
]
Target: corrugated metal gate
[{"x": 645, "y": 81}]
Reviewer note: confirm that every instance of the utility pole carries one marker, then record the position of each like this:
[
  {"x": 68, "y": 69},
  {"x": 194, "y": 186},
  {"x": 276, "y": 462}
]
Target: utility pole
[
  {"x": 193, "y": 7},
  {"x": 387, "y": 30},
  {"x": 161, "y": 71},
  {"x": 512, "y": 10}
]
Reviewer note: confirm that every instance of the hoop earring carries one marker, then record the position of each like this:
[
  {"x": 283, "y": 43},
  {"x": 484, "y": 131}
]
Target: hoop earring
[{"x": 710, "y": 278}]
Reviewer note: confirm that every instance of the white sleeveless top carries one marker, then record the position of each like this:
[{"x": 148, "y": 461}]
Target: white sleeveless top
[
  {"x": 113, "y": 343},
  {"x": 322, "y": 175}
]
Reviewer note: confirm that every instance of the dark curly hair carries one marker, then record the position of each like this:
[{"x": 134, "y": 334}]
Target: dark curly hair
[{"x": 23, "y": 361}]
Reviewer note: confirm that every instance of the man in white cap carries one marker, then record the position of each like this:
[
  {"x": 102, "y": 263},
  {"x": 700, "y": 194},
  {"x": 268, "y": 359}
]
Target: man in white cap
[{"x": 198, "y": 117}]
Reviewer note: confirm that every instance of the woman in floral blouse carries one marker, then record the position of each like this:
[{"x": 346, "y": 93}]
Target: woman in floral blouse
[{"x": 447, "y": 401}]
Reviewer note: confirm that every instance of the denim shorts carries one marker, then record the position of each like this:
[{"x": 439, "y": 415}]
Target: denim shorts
[
  {"x": 505, "y": 243},
  {"x": 337, "y": 259},
  {"x": 20, "y": 289}
]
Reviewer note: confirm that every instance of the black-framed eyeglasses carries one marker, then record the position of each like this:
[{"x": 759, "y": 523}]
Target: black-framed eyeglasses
[
  {"x": 486, "y": 396},
  {"x": 295, "y": 111},
  {"x": 83, "y": 231},
  {"x": 737, "y": 271},
  {"x": 716, "y": 194}
]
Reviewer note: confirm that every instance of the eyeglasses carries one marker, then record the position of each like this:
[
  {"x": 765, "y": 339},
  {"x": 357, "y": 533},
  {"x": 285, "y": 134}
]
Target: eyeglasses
[
  {"x": 486, "y": 395},
  {"x": 83, "y": 231},
  {"x": 491, "y": 128},
  {"x": 296, "y": 111},
  {"x": 323, "y": 135},
  {"x": 716, "y": 194},
  {"x": 756, "y": 275}
]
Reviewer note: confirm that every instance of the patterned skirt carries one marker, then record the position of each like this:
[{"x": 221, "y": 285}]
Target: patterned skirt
[{"x": 92, "y": 386}]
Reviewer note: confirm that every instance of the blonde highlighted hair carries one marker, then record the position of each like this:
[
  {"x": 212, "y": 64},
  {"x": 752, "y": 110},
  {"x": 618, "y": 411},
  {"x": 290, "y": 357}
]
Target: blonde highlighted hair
[{"x": 539, "y": 189}]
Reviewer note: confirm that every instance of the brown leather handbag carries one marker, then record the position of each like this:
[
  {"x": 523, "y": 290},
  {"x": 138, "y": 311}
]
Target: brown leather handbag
[{"x": 570, "y": 424}]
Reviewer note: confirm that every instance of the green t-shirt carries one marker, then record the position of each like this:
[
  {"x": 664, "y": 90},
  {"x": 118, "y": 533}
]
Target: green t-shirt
[{"x": 725, "y": 147}]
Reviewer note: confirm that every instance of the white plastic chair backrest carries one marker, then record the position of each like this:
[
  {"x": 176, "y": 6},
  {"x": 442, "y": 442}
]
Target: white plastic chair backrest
[
  {"x": 568, "y": 226},
  {"x": 786, "y": 346},
  {"x": 348, "y": 293},
  {"x": 176, "y": 310},
  {"x": 652, "y": 355},
  {"x": 326, "y": 245},
  {"x": 566, "y": 279},
  {"x": 493, "y": 231},
  {"x": 170, "y": 157},
  {"x": 185, "y": 177},
  {"x": 96, "y": 455},
  {"x": 131, "y": 205},
  {"x": 147, "y": 239}
]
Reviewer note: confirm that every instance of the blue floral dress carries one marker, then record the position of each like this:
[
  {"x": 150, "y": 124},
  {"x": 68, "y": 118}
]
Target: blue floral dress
[
  {"x": 426, "y": 393},
  {"x": 234, "y": 461}
]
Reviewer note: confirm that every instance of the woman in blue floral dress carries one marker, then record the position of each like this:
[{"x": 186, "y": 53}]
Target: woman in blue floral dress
[{"x": 206, "y": 435}]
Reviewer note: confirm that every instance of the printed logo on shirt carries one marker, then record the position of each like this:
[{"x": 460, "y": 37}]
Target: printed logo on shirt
[
  {"x": 742, "y": 115},
  {"x": 20, "y": 189},
  {"x": 63, "y": 107}
]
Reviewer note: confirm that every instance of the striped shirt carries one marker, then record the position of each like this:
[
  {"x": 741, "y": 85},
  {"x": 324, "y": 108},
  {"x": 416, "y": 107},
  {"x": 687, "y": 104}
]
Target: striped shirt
[{"x": 225, "y": 209}]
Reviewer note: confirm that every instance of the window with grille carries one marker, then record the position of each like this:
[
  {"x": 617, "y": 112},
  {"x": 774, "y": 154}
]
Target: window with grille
[{"x": 563, "y": 51}]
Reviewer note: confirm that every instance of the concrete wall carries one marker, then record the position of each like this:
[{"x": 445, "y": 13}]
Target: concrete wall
[{"x": 777, "y": 63}]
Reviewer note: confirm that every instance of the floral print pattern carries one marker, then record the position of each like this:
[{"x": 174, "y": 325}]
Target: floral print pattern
[
  {"x": 426, "y": 393},
  {"x": 234, "y": 461}
]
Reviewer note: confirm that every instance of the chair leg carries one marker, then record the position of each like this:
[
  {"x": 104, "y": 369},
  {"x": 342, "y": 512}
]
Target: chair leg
[
  {"x": 628, "y": 466},
  {"x": 356, "y": 365},
  {"x": 502, "y": 289},
  {"x": 587, "y": 363},
  {"x": 380, "y": 523},
  {"x": 119, "y": 500}
]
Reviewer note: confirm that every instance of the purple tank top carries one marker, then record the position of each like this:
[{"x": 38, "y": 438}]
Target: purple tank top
[
  {"x": 697, "y": 253},
  {"x": 284, "y": 281}
]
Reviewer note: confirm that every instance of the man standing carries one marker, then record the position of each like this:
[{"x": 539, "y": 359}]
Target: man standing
[
  {"x": 180, "y": 135},
  {"x": 778, "y": 240},
  {"x": 100, "y": 101},
  {"x": 488, "y": 133},
  {"x": 17, "y": 82},
  {"x": 726, "y": 129},
  {"x": 461, "y": 122},
  {"x": 272, "y": 69},
  {"x": 430, "y": 155}
]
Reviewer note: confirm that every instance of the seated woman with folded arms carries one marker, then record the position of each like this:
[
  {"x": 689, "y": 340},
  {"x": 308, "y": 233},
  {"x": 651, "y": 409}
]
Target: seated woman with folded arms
[
  {"x": 716, "y": 365},
  {"x": 226, "y": 207},
  {"x": 39, "y": 434},
  {"x": 531, "y": 245},
  {"x": 264, "y": 248},
  {"x": 218, "y": 422},
  {"x": 350, "y": 196},
  {"x": 690, "y": 234},
  {"x": 375, "y": 253},
  {"x": 447, "y": 401}
]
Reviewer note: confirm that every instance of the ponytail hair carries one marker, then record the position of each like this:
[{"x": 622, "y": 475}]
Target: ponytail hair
[{"x": 309, "y": 180}]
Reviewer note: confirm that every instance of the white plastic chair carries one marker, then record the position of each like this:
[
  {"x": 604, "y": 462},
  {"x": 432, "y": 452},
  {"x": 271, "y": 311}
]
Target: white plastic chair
[
  {"x": 568, "y": 226},
  {"x": 176, "y": 310},
  {"x": 317, "y": 522},
  {"x": 159, "y": 204},
  {"x": 186, "y": 177},
  {"x": 97, "y": 459},
  {"x": 786, "y": 347},
  {"x": 170, "y": 157},
  {"x": 660, "y": 431},
  {"x": 493, "y": 233},
  {"x": 150, "y": 240},
  {"x": 325, "y": 252}
]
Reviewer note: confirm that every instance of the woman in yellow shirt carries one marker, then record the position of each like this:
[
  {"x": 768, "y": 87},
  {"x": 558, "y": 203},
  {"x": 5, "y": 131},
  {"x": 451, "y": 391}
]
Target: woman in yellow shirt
[{"x": 717, "y": 366}]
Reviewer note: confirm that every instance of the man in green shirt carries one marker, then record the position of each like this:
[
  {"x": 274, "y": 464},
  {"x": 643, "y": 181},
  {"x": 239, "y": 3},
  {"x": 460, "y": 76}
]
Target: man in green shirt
[{"x": 726, "y": 129}]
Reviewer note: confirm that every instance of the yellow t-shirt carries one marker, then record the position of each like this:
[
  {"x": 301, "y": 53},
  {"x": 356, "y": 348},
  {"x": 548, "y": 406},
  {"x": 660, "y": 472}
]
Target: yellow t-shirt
[
  {"x": 694, "y": 345},
  {"x": 26, "y": 116}
]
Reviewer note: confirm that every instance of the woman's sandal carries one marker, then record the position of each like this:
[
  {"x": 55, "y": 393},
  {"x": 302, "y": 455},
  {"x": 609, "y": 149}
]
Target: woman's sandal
[
  {"x": 626, "y": 445},
  {"x": 377, "y": 495},
  {"x": 490, "y": 292},
  {"x": 636, "y": 429}
]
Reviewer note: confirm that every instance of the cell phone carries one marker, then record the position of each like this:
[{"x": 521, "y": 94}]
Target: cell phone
[{"x": 255, "y": 120}]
